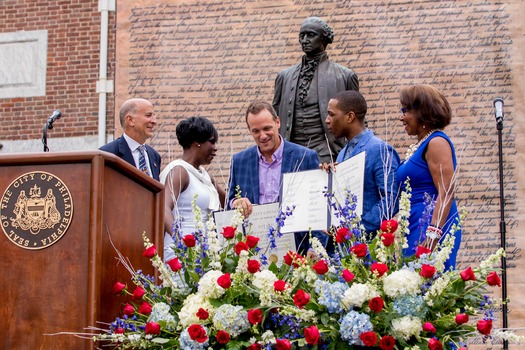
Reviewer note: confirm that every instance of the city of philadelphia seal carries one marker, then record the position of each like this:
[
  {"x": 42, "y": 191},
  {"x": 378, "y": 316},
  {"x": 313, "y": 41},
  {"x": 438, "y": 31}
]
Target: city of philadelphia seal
[{"x": 36, "y": 210}]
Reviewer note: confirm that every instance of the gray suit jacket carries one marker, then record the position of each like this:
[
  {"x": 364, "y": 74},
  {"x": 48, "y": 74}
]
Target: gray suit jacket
[{"x": 331, "y": 79}]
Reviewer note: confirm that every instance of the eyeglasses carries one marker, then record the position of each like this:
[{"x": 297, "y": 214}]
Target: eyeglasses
[{"x": 404, "y": 110}]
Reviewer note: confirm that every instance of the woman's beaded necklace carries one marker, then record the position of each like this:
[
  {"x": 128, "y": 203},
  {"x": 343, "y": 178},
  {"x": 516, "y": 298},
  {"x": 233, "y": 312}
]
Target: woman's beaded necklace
[{"x": 413, "y": 147}]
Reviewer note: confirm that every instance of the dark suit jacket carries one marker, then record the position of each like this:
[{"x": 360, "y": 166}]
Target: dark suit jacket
[
  {"x": 331, "y": 79},
  {"x": 120, "y": 148},
  {"x": 244, "y": 168}
]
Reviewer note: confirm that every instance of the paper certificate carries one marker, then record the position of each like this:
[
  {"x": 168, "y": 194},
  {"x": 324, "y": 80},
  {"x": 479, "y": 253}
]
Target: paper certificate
[{"x": 306, "y": 191}]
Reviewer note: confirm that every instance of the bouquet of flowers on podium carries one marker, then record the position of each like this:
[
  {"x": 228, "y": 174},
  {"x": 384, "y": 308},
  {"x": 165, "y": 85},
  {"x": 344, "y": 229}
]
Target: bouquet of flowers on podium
[{"x": 220, "y": 292}]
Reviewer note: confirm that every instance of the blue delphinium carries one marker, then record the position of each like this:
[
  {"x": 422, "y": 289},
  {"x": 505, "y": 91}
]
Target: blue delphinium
[
  {"x": 426, "y": 216},
  {"x": 330, "y": 295},
  {"x": 352, "y": 325},
  {"x": 289, "y": 321},
  {"x": 409, "y": 305}
]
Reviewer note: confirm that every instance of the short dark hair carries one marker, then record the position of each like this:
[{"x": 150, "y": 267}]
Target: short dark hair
[
  {"x": 257, "y": 106},
  {"x": 351, "y": 101},
  {"x": 327, "y": 32},
  {"x": 429, "y": 104},
  {"x": 195, "y": 129}
]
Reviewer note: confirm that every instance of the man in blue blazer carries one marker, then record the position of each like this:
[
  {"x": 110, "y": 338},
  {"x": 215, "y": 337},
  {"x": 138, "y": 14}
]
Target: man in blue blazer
[
  {"x": 257, "y": 170},
  {"x": 346, "y": 118},
  {"x": 138, "y": 120}
]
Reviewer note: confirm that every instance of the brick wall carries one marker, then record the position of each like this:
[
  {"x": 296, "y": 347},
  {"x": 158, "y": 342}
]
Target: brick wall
[{"x": 72, "y": 68}]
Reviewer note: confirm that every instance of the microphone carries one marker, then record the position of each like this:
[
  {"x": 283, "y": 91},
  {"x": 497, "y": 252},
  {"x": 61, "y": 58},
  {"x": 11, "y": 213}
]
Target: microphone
[
  {"x": 498, "y": 112},
  {"x": 56, "y": 115}
]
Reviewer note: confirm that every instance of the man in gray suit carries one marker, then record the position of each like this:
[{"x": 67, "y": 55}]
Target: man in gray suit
[{"x": 302, "y": 91}]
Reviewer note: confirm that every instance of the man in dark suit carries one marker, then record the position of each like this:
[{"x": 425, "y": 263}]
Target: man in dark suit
[
  {"x": 138, "y": 120},
  {"x": 302, "y": 91},
  {"x": 257, "y": 170}
]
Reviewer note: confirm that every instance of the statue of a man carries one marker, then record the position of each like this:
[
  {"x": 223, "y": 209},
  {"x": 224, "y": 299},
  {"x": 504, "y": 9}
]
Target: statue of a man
[{"x": 302, "y": 91}]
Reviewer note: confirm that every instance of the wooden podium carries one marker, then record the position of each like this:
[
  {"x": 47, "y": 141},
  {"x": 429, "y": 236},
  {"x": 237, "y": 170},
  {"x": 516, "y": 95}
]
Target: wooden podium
[{"x": 57, "y": 265}]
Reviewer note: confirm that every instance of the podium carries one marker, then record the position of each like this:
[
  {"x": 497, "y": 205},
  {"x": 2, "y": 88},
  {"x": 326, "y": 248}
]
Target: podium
[{"x": 58, "y": 212}]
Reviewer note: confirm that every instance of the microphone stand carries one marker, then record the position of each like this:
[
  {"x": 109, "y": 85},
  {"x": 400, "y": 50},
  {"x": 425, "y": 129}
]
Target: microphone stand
[
  {"x": 502, "y": 228},
  {"x": 44, "y": 135}
]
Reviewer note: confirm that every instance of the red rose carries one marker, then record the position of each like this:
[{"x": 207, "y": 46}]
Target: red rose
[
  {"x": 174, "y": 264},
  {"x": 189, "y": 241},
  {"x": 202, "y": 314},
  {"x": 484, "y": 326},
  {"x": 129, "y": 310},
  {"x": 283, "y": 344},
  {"x": 347, "y": 275},
  {"x": 152, "y": 328},
  {"x": 376, "y": 304},
  {"x": 222, "y": 337},
  {"x": 427, "y": 271},
  {"x": 255, "y": 316},
  {"x": 280, "y": 285},
  {"x": 368, "y": 338},
  {"x": 387, "y": 342},
  {"x": 138, "y": 293},
  {"x": 359, "y": 250},
  {"x": 293, "y": 258},
  {"x": 343, "y": 234},
  {"x": 224, "y": 281},
  {"x": 462, "y": 348},
  {"x": 389, "y": 226},
  {"x": 467, "y": 274},
  {"x": 434, "y": 344},
  {"x": 145, "y": 308},
  {"x": 251, "y": 241},
  {"x": 254, "y": 346},
  {"x": 311, "y": 335},
  {"x": 228, "y": 232},
  {"x": 422, "y": 250},
  {"x": 118, "y": 287},
  {"x": 239, "y": 247},
  {"x": 380, "y": 268},
  {"x": 197, "y": 333},
  {"x": 150, "y": 252},
  {"x": 429, "y": 327},
  {"x": 253, "y": 266},
  {"x": 493, "y": 279},
  {"x": 387, "y": 239},
  {"x": 320, "y": 267},
  {"x": 301, "y": 298},
  {"x": 119, "y": 330},
  {"x": 461, "y": 318}
]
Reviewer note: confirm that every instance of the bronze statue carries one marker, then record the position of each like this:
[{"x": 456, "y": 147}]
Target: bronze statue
[{"x": 302, "y": 91}]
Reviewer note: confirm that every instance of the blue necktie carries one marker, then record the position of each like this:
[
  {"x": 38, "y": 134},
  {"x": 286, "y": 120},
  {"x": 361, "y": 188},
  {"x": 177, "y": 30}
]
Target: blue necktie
[{"x": 142, "y": 160}]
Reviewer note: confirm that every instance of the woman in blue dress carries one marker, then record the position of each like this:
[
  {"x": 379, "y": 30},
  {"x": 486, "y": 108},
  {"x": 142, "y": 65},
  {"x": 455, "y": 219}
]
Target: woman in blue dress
[{"x": 430, "y": 165}]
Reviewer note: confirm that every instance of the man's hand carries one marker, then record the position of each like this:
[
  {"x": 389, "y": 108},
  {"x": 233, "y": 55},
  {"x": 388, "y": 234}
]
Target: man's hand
[
  {"x": 244, "y": 205},
  {"x": 328, "y": 167}
]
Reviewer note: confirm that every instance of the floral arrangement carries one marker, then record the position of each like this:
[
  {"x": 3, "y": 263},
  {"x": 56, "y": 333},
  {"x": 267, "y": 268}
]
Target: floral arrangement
[{"x": 222, "y": 293}]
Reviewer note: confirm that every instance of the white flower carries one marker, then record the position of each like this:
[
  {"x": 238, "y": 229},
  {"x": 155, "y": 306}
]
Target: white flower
[
  {"x": 268, "y": 337},
  {"x": 357, "y": 294},
  {"x": 190, "y": 307},
  {"x": 161, "y": 312},
  {"x": 402, "y": 282},
  {"x": 208, "y": 286},
  {"x": 264, "y": 281},
  {"x": 407, "y": 326}
]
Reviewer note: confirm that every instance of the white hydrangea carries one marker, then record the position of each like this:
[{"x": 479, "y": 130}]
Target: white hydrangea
[
  {"x": 402, "y": 282},
  {"x": 208, "y": 286},
  {"x": 357, "y": 294},
  {"x": 192, "y": 304},
  {"x": 407, "y": 326},
  {"x": 268, "y": 337}
]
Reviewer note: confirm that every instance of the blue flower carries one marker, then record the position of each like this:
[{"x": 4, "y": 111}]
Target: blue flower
[
  {"x": 352, "y": 325},
  {"x": 330, "y": 295},
  {"x": 409, "y": 305}
]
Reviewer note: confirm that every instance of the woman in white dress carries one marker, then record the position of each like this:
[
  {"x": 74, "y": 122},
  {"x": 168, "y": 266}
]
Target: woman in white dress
[{"x": 186, "y": 177}]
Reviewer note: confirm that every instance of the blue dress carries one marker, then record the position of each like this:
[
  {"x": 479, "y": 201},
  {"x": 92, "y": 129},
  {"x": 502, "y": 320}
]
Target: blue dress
[{"x": 416, "y": 168}]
